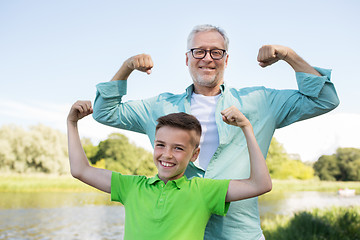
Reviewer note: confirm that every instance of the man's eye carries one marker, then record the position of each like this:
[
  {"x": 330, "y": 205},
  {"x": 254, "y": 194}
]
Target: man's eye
[
  {"x": 199, "y": 52},
  {"x": 216, "y": 52}
]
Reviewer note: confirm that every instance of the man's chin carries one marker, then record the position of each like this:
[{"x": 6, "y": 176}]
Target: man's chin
[{"x": 206, "y": 82}]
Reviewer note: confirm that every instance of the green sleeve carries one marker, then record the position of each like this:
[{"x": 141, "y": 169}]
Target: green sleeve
[{"x": 214, "y": 194}]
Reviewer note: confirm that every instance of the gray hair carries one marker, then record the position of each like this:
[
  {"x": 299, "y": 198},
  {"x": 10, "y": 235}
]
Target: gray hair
[{"x": 208, "y": 28}]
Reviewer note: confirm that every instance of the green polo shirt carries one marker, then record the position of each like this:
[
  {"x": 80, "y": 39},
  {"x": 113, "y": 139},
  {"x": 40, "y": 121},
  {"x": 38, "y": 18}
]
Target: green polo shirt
[{"x": 178, "y": 210}]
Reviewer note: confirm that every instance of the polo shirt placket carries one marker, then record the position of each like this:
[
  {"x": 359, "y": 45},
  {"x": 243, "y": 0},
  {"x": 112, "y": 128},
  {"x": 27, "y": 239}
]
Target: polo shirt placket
[{"x": 160, "y": 205}]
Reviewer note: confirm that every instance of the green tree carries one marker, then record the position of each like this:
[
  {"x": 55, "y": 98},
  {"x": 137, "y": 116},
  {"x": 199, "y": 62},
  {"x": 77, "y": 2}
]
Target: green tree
[
  {"x": 281, "y": 166},
  {"x": 39, "y": 149},
  {"x": 89, "y": 149},
  {"x": 348, "y": 161},
  {"x": 327, "y": 168},
  {"x": 122, "y": 156},
  {"x": 344, "y": 165}
]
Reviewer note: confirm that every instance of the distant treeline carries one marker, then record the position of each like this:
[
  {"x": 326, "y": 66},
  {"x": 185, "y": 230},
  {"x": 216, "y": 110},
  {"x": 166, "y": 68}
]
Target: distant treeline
[{"x": 43, "y": 149}]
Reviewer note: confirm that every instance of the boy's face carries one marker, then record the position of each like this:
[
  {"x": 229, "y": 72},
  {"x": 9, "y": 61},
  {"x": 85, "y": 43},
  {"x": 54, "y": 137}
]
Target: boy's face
[{"x": 172, "y": 152}]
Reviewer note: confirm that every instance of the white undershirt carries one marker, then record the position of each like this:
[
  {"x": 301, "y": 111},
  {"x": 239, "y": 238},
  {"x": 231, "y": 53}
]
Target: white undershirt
[{"x": 203, "y": 108}]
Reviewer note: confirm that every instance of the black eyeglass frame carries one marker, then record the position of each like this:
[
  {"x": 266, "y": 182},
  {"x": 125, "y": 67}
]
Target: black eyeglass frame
[{"x": 206, "y": 51}]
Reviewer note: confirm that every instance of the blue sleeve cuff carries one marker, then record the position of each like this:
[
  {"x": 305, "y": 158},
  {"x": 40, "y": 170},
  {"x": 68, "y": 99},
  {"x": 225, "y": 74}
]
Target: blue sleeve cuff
[
  {"x": 311, "y": 85},
  {"x": 112, "y": 89}
]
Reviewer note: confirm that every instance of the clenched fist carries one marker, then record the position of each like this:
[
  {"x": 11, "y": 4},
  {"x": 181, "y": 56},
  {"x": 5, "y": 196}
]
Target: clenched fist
[{"x": 270, "y": 54}]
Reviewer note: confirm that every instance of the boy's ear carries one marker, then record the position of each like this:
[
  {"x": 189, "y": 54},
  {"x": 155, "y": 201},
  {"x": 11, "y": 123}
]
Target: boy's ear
[{"x": 195, "y": 154}]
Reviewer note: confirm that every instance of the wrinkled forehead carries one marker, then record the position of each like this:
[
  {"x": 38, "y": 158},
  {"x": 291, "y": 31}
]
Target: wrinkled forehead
[{"x": 211, "y": 39}]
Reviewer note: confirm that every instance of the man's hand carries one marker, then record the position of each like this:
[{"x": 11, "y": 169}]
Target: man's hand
[
  {"x": 141, "y": 62},
  {"x": 269, "y": 54},
  {"x": 233, "y": 116},
  {"x": 79, "y": 110}
]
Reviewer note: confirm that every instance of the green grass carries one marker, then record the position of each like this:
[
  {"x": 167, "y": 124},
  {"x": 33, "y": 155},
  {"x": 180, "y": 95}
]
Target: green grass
[
  {"x": 319, "y": 224},
  {"x": 53, "y": 183},
  {"x": 313, "y": 185},
  {"x": 42, "y": 183}
]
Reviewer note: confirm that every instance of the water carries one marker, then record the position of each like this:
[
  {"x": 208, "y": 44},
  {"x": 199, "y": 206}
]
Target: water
[
  {"x": 288, "y": 203},
  {"x": 93, "y": 216}
]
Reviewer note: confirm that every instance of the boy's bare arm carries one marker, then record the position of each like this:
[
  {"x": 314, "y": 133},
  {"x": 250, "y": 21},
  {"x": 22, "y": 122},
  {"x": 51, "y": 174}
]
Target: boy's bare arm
[
  {"x": 79, "y": 164},
  {"x": 259, "y": 181}
]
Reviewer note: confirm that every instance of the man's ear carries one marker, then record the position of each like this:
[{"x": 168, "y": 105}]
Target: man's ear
[
  {"x": 226, "y": 60},
  {"x": 187, "y": 59},
  {"x": 195, "y": 154}
]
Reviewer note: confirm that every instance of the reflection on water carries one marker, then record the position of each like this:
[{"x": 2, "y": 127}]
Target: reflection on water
[
  {"x": 285, "y": 203},
  {"x": 87, "y": 222},
  {"x": 93, "y": 216},
  {"x": 52, "y": 199}
]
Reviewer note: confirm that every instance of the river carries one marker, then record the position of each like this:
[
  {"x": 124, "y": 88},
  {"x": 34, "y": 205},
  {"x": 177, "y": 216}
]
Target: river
[{"x": 93, "y": 216}]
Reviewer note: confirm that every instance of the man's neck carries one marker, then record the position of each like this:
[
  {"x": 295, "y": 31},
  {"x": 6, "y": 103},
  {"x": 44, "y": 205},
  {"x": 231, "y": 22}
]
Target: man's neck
[{"x": 207, "y": 91}]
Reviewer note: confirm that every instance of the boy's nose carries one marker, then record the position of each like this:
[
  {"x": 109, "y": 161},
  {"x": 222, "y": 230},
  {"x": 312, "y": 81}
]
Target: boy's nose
[{"x": 167, "y": 153}]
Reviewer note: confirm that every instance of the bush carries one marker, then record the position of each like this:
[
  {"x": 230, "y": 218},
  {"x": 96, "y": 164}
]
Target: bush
[{"x": 319, "y": 224}]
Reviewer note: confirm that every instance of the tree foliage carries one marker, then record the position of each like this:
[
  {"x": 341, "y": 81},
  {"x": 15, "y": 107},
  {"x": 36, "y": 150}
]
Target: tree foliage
[
  {"x": 42, "y": 149},
  {"x": 344, "y": 165},
  {"x": 38, "y": 149},
  {"x": 281, "y": 166},
  {"x": 122, "y": 156}
]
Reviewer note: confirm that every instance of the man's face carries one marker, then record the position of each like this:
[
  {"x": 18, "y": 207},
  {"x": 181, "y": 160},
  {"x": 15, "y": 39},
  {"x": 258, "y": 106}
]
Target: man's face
[
  {"x": 172, "y": 152},
  {"x": 207, "y": 72}
]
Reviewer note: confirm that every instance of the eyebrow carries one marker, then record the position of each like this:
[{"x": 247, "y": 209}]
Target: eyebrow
[{"x": 176, "y": 144}]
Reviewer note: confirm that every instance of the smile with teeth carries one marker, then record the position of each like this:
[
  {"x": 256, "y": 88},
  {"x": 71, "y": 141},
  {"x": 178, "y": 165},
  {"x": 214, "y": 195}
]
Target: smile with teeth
[
  {"x": 166, "y": 164},
  {"x": 207, "y": 68}
]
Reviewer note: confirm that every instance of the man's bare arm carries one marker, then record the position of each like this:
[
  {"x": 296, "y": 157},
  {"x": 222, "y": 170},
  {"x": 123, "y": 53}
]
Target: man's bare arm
[
  {"x": 141, "y": 62},
  {"x": 270, "y": 54}
]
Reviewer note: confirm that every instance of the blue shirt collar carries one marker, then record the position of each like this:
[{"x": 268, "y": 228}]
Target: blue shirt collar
[{"x": 190, "y": 89}]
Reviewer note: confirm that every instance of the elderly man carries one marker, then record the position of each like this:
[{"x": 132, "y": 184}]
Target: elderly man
[{"x": 223, "y": 153}]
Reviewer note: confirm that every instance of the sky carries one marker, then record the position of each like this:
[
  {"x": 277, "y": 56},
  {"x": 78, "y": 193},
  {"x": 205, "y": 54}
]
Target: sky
[{"x": 53, "y": 53}]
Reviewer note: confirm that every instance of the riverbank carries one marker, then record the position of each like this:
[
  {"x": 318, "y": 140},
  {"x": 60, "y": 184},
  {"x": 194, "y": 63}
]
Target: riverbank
[
  {"x": 42, "y": 183},
  {"x": 313, "y": 185},
  {"x": 66, "y": 183}
]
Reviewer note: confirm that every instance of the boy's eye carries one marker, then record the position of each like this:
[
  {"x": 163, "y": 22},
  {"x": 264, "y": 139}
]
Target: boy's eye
[
  {"x": 159, "y": 145},
  {"x": 179, "y": 148}
]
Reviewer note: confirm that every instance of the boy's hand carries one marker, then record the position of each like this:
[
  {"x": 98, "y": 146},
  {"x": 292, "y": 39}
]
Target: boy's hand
[
  {"x": 233, "y": 116},
  {"x": 79, "y": 110}
]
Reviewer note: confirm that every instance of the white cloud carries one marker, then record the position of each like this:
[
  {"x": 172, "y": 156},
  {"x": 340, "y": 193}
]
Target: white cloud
[{"x": 321, "y": 135}]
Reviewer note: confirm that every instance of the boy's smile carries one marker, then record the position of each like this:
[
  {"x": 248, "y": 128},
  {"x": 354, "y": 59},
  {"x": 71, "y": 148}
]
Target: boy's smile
[{"x": 172, "y": 152}]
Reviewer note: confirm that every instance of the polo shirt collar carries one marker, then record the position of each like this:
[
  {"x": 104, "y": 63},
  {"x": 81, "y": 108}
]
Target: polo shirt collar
[
  {"x": 178, "y": 182},
  {"x": 190, "y": 89}
]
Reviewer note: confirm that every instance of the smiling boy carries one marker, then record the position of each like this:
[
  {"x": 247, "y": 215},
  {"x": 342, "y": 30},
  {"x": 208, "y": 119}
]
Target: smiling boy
[{"x": 169, "y": 206}]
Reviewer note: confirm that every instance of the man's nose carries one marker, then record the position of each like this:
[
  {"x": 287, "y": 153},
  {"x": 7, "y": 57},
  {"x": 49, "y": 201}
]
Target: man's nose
[{"x": 207, "y": 56}]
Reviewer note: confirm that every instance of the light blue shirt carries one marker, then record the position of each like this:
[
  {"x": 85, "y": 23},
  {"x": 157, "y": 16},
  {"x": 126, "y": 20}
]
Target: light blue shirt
[{"x": 267, "y": 109}]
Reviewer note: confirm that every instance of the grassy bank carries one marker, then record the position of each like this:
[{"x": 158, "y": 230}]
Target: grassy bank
[
  {"x": 52, "y": 183},
  {"x": 41, "y": 183},
  {"x": 313, "y": 185},
  {"x": 331, "y": 224}
]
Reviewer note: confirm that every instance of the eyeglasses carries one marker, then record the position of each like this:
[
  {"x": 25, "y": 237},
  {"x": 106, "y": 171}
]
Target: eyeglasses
[{"x": 215, "y": 54}]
